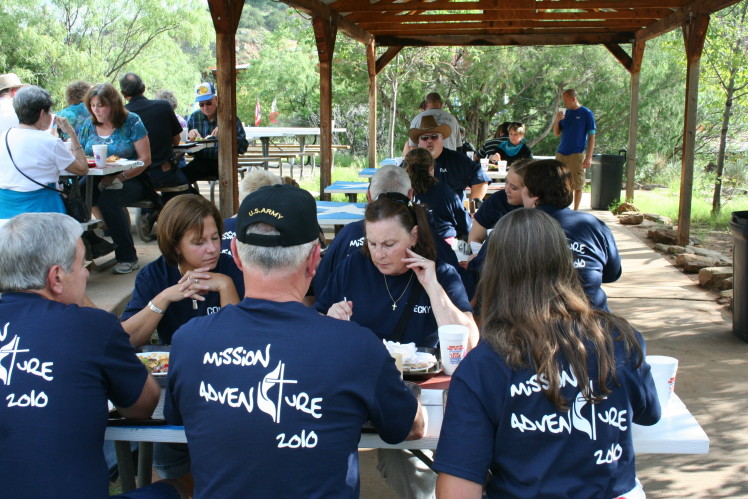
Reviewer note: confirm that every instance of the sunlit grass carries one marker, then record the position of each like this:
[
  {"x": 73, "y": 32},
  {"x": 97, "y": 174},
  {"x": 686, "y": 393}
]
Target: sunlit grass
[
  {"x": 666, "y": 202},
  {"x": 346, "y": 169}
]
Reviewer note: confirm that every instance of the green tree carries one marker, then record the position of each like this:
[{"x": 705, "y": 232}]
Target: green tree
[
  {"x": 52, "y": 44},
  {"x": 726, "y": 54}
]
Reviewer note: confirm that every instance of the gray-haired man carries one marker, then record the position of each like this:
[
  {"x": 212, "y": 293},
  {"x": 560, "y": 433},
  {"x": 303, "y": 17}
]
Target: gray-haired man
[
  {"x": 270, "y": 387},
  {"x": 59, "y": 363}
]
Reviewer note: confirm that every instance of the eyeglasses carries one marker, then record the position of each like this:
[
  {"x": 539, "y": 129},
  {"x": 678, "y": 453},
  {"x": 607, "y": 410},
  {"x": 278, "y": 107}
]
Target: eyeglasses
[
  {"x": 205, "y": 103},
  {"x": 425, "y": 138}
]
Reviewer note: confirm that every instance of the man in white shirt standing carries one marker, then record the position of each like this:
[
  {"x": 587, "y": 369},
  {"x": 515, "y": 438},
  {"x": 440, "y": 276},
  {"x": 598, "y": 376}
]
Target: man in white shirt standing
[
  {"x": 434, "y": 108},
  {"x": 9, "y": 85}
]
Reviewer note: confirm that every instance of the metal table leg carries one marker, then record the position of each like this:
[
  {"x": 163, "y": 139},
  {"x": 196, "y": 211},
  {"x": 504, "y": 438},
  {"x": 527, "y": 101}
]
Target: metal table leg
[
  {"x": 145, "y": 463},
  {"x": 126, "y": 468}
]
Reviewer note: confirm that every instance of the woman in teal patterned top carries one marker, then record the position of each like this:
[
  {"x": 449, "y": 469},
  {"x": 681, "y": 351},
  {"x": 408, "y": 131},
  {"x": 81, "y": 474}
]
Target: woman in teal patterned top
[{"x": 125, "y": 136}]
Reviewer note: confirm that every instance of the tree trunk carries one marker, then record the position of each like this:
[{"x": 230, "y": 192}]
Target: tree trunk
[
  {"x": 726, "y": 114},
  {"x": 717, "y": 198},
  {"x": 393, "y": 117}
]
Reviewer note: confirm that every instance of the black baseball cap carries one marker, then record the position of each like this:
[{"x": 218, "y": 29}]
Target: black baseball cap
[{"x": 289, "y": 209}]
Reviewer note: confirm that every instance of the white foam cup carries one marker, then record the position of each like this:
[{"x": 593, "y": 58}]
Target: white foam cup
[
  {"x": 664, "y": 370},
  {"x": 502, "y": 168},
  {"x": 100, "y": 154},
  {"x": 484, "y": 163},
  {"x": 453, "y": 341}
]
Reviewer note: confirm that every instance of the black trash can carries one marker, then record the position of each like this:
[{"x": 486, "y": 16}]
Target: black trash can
[
  {"x": 607, "y": 177},
  {"x": 739, "y": 226}
]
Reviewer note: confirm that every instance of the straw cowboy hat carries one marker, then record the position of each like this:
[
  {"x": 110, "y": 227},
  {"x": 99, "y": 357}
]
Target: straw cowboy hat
[
  {"x": 10, "y": 80},
  {"x": 429, "y": 125}
]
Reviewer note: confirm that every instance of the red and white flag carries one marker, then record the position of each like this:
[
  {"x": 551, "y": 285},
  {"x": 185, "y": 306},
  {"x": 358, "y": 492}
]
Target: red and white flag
[
  {"x": 258, "y": 114},
  {"x": 274, "y": 112}
]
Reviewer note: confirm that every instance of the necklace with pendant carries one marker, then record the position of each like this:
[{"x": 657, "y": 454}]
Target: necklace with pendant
[{"x": 394, "y": 302}]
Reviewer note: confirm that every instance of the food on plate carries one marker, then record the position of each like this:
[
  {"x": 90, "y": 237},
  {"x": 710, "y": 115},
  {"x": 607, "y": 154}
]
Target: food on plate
[
  {"x": 156, "y": 362},
  {"x": 413, "y": 360},
  {"x": 112, "y": 159},
  {"x": 422, "y": 362}
]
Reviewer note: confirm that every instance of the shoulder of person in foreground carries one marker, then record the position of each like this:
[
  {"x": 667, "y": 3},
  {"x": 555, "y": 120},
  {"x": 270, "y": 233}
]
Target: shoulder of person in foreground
[
  {"x": 612, "y": 268},
  {"x": 452, "y": 283},
  {"x": 130, "y": 388}
]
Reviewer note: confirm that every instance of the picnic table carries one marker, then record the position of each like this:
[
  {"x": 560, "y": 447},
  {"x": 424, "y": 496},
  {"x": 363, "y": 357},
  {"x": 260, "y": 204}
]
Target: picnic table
[
  {"x": 677, "y": 432},
  {"x": 351, "y": 189},
  {"x": 336, "y": 213}
]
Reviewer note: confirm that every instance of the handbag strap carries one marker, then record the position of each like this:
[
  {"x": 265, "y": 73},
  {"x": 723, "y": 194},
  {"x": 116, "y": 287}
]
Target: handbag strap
[
  {"x": 415, "y": 293},
  {"x": 7, "y": 132}
]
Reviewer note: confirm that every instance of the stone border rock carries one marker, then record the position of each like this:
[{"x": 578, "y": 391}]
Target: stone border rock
[{"x": 714, "y": 269}]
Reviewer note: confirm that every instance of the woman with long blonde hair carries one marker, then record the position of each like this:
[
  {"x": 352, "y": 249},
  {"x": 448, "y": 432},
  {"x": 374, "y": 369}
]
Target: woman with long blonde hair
[{"x": 543, "y": 406}]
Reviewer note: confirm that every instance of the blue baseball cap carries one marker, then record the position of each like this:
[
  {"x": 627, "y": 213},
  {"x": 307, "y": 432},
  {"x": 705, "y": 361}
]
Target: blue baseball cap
[{"x": 204, "y": 91}]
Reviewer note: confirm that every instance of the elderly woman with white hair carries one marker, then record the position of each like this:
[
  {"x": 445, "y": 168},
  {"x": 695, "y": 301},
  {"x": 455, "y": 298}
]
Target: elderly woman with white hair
[{"x": 32, "y": 160}]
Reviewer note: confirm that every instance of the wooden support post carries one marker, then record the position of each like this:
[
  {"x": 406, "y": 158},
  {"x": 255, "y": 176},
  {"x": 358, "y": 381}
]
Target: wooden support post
[
  {"x": 371, "y": 61},
  {"x": 226, "y": 15},
  {"x": 325, "y": 33},
  {"x": 637, "y": 53},
  {"x": 694, "y": 33}
]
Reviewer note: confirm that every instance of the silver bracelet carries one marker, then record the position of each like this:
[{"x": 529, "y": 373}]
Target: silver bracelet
[{"x": 155, "y": 308}]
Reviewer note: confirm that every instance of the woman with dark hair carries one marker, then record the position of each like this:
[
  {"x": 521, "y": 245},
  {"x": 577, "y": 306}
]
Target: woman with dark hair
[
  {"x": 544, "y": 405},
  {"x": 29, "y": 156},
  {"x": 450, "y": 216},
  {"x": 126, "y": 138},
  {"x": 393, "y": 286},
  {"x": 76, "y": 112},
  {"x": 192, "y": 277},
  {"x": 548, "y": 187}
]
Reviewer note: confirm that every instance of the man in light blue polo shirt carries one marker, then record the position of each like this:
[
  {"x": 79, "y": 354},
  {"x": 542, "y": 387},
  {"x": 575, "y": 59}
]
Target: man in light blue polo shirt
[{"x": 576, "y": 127}]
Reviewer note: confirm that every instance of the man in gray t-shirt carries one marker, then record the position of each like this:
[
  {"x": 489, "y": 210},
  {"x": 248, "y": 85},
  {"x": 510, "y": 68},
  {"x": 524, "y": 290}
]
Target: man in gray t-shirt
[{"x": 434, "y": 108}]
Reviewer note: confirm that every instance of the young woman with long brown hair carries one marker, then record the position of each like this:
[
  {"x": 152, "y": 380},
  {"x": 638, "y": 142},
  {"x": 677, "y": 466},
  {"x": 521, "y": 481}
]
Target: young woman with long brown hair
[{"x": 543, "y": 406}]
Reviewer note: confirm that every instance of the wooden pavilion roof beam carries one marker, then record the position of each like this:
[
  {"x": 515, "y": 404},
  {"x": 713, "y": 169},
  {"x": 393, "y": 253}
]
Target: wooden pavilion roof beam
[
  {"x": 478, "y": 40},
  {"x": 519, "y": 14},
  {"x": 358, "y": 5},
  {"x": 323, "y": 11},
  {"x": 477, "y": 20},
  {"x": 681, "y": 16}
]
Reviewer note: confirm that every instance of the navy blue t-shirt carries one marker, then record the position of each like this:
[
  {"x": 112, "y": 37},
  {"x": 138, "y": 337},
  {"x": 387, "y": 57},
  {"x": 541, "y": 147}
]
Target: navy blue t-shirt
[
  {"x": 500, "y": 419},
  {"x": 351, "y": 238},
  {"x": 492, "y": 209},
  {"x": 594, "y": 249},
  {"x": 273, "y": 400},
  {"x": 447, "y": 209},
  {"x": 358, "y": 280},
  {"x": 458, "y": 171},
  {"x": 58, "y": 366},
  {"x": 159, "y": 275},
  {"x": 229, "y": 233}
]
